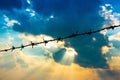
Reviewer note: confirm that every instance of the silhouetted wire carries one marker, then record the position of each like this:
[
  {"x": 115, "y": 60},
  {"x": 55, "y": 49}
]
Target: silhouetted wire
[{"x": 32, "y": 44}]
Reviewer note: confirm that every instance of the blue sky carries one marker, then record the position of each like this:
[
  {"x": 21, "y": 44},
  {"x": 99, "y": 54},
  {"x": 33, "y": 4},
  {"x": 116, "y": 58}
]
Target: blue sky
[{"x": 28, "y": 20}]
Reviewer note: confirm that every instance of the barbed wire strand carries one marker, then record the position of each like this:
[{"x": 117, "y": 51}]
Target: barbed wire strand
[{"x": 32, "y": 44}]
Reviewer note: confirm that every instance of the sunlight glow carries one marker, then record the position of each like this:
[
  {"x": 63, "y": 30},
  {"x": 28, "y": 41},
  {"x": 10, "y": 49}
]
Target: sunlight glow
[
  {"x": 71, "y": 52},
  {"x": 69, "y": 56}
]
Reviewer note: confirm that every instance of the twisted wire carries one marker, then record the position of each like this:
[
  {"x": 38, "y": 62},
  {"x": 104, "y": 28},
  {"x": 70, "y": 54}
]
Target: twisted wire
[{"x": 32, "y": 44}]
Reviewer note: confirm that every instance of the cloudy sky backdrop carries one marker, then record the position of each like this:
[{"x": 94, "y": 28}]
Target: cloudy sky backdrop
[{"x": 94, "y": 57}]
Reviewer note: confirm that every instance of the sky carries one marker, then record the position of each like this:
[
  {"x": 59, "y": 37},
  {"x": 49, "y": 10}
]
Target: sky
[{"x": 88, "y": 57}]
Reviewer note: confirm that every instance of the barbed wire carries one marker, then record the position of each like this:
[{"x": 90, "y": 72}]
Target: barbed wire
[{"x": 32, "y": 44}]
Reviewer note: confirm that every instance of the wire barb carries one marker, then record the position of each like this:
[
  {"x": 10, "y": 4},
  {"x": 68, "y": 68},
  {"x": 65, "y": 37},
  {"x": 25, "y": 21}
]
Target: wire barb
[
  {"x": 13, "y": 48},
  {"x": 59, "y": 39},
  {"x": 45, "y": 41},
  {"x": 22, "y": 46},
  {"x": 32, "y": 44}
]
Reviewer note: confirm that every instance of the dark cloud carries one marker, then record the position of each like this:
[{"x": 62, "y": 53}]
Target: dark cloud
[
  {"x": 59, "y": 55},
  {"x": 109, "y": 74},
  {"x": 90, "y": 51},
  {"x": 70, "y": 16},
  {"x": 10, "y": 4}
]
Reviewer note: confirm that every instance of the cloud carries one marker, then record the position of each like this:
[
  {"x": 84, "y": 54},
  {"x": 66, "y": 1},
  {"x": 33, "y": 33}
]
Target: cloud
[
  {"x": 89, "y": 52},
  {"x": 115, "y": 37},
  {"x": 59, "y": 50},
  {"x": 10, "y": 23},
  {"x": 37, "y": 68},
  {"x": 29, "y": 67},
  {"x": 65, "y": 56},
  {"x": 108, "y": 74},
  {"x": 28, "y": 1},
  {"x": 27, "y": 38},
  {"x": 56, "y": 21},
  {"x": 105, "y": 49},
  {"x": 31, "y": 12},
  {"x": 111, "y": 18},
  {"x": 52, "y": 49}
]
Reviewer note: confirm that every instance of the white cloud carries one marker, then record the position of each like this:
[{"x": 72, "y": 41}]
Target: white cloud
[
  {"x": 71, "y": 52},
  {"x": 31, "y": 12},
  {"x": 94, "y": 39},
  {"x": 111, "y": 18},
  {"x": 28, "y": 1},
  {"x": 109, "y": 15},
  {"x": 10, "y": 23},
  {"x": 40, "y": 38},
  {"x": 52, "y": 16}
]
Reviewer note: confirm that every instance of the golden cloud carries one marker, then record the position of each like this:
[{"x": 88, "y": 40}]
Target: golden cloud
[
  {"x": 105, "y": 49},
  {"x": 38, "y": 68}
]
